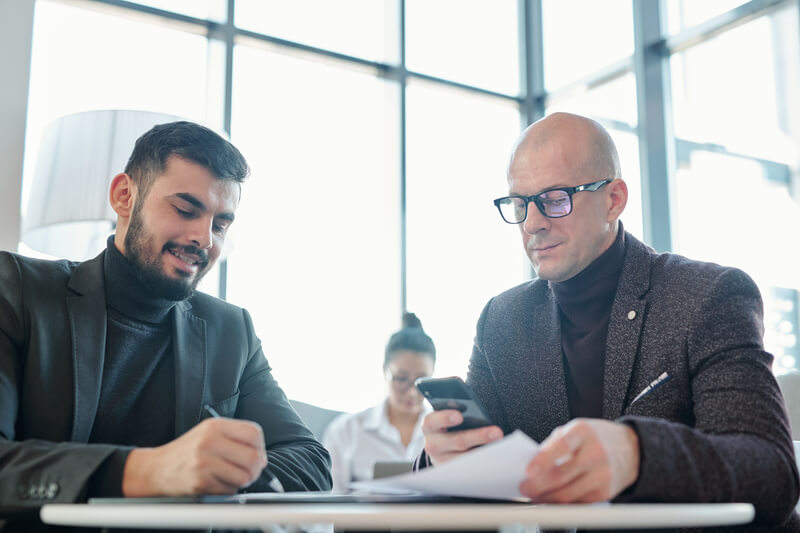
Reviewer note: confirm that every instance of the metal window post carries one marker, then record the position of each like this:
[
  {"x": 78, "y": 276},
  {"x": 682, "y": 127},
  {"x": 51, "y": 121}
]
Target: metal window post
[{"x": 656, "y": 141}]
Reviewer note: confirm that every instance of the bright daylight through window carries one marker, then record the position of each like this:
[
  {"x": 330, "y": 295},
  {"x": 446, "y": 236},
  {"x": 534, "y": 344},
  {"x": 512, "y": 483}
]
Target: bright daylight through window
[{"x": 376, "y": 156}]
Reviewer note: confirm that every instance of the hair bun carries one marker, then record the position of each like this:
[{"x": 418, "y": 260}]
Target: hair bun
[
  {"x": 410, "y": 320},
  {"x": 410, "y": 338}
]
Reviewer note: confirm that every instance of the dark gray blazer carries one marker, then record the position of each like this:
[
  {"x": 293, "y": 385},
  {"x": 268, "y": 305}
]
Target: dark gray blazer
[
  {"x": 52, "y": 346},
  {"x": 715, "y": 432}
]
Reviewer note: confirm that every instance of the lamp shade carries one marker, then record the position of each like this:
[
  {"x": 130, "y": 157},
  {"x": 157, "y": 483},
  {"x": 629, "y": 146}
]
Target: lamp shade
[{"x": 68, "y": 213}]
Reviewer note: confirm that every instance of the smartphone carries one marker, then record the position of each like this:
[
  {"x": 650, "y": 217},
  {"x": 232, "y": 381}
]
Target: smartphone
[{"x": 453, "y": 393}]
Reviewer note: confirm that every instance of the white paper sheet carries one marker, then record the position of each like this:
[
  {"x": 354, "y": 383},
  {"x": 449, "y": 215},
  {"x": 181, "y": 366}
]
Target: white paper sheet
[{"x": 492, "y": 471}]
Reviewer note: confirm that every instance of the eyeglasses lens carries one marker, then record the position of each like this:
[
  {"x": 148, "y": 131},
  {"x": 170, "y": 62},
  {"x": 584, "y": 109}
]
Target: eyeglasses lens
[
  {"x": 401, "y": 383},
  {"x": 513, "y": 210},
  {"x": 555, "y": 203}
]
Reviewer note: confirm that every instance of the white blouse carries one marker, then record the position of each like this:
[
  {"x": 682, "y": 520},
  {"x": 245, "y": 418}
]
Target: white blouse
[{"x": 357, "y": 440}]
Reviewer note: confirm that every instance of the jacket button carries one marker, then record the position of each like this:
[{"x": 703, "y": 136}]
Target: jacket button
[{"x": 52, "y": 491}]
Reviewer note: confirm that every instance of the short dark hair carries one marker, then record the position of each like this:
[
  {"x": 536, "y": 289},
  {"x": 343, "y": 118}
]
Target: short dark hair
[
  {"x": 411, "y": 337},
  {"x": 189, "y": 141}
]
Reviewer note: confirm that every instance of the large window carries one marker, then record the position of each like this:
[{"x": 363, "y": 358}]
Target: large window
[
  {"x": 737, "y": 129},
  {"x": 315, "y": 257},
  {"x": 460, "y": 253},
  {"x": 469, "y": 41},
  {"x": 376, "y": 152},
  {"x": 86, "y": 59}
]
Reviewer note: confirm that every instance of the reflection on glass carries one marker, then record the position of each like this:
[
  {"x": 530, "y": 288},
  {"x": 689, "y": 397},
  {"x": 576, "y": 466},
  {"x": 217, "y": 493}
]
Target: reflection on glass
[
  {"x": 737, "y": 94},
  {"x": 202, "y": 9},
  {"x": 361, "y": 28},
  {"x": 317, "y": 237},
  {"x": 583, "y": 36},
  {"x": 729, "y": 212},
  {"x": 615, "y": 100},
  {"x": 468, "y": 41},
  {"x": 739, "y": 89},
  {"x": 682, "y": 14},
  {"x": 460, "y": 252},
  {"x": 80, "y": 62},
  {"x": 780, "y": 324}
]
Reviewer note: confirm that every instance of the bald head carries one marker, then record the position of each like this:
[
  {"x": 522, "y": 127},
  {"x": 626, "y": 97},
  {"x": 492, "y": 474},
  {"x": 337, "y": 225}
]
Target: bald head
[
  {"x": 577, "y": 142},
  {"x": 575, "y": 155}
]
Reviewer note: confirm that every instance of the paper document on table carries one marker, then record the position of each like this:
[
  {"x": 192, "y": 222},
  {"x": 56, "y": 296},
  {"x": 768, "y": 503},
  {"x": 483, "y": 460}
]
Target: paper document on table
[{"x": 492, "y": 471}]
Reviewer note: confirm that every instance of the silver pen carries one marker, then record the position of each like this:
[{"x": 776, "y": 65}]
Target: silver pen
[
  {"x": 274, "y": 483},
  {"x": 660, "y": 380}
]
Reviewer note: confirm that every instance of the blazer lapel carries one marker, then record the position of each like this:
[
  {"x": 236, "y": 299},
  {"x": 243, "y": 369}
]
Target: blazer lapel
[
  {"x": 625, "y": 326},
  {"x": 87, "y": 318},
  {"x": 539, "y": 372},
  {"x": 550, "y": 368},
  {"x": 189, "y": 346}
]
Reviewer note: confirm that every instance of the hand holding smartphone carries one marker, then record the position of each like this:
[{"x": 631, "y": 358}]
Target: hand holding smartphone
[{"x": 453, "y": 393}]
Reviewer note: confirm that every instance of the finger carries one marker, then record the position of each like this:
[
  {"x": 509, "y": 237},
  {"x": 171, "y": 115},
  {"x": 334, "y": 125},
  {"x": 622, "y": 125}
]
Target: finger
[
  {"x": 242, "y": 432},
  {"x": 438, "y": 421},
  {"x": 590, "y": 487},
  {"x": 558, "y": 449},
  {"x": 444, "y": 443},
  {"x": 242, "y": 456},
  {"x": 554, "y": 477},
  {"x": 218, "y": 476}
]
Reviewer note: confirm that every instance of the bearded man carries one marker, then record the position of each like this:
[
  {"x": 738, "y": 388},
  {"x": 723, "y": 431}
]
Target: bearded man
[{"x": 106, "y": 365}]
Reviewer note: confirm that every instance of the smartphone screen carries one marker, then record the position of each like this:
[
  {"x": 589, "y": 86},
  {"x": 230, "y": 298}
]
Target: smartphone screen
[{"x": 453, "y": 393}]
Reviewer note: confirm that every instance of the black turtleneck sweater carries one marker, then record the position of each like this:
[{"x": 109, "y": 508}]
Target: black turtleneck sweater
[
  {"x": 138, "y": 370},
  {"x": 584, "y": 302}
]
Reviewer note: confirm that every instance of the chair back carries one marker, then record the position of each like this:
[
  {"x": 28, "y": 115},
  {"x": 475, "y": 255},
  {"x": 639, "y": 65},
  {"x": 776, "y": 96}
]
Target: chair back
[
  {"x": 790, "y": 388},
  {"x": 316, "y": 418},
  {"x": 797, "y": 460}
]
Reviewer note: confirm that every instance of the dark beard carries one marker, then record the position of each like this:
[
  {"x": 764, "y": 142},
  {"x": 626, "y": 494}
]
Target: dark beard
[{"x": 149, "y": 270}]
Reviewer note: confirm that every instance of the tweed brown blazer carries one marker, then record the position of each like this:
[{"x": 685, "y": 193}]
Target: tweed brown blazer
[{"x": 716, "y": 431}]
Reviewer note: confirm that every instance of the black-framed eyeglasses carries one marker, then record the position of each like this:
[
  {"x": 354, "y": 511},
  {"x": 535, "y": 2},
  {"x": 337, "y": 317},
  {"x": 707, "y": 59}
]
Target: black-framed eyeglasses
[
  {"x": 552, "y": 203},
  {"x": 402, "y": 383}
]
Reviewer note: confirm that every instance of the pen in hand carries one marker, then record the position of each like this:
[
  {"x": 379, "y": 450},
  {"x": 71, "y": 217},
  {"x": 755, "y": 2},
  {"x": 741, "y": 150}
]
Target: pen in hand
[{"x": 274, "y": 483}]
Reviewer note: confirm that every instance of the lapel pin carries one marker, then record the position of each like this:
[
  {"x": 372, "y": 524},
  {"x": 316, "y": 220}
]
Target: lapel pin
[{"x": 631, "y": 315}]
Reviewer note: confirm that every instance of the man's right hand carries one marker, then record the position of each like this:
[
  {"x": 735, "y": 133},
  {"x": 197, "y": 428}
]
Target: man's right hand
[
  {"x": 441, "y": 445},
  {"x": 217, "y": 456}
]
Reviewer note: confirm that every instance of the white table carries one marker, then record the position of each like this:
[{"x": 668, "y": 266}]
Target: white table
[{"x": 504, "y": 517}]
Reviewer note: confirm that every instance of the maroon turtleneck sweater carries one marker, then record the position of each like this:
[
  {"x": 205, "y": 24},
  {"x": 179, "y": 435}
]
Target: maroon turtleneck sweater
[{"x": 585, "y": 304}]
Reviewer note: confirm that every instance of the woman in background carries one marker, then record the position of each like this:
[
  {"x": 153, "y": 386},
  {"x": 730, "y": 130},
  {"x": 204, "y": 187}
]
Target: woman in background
[{"x": 391, "y": 430}]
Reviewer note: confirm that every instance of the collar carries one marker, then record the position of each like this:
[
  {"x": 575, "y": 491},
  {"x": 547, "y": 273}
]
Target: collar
[
  {"x": 593, "y": 288},
  {"x": 377, "y": 417}
]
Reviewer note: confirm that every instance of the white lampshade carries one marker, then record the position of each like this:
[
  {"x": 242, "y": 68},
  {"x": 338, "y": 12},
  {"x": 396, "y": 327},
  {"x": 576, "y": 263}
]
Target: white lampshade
[{"x": 68, "y": 214}]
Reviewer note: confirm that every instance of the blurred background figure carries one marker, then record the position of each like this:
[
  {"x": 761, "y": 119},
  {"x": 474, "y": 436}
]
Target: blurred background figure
[{"x": 390, "y": 431}]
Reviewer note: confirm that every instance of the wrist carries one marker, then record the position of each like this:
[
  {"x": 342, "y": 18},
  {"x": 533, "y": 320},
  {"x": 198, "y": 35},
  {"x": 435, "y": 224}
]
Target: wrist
[
  {"x": 135, "y": 475},
  {"x": 634, "y": 454}
]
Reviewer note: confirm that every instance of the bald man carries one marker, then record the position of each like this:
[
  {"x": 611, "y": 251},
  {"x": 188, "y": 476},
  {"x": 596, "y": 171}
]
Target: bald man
[{"x": 643, "y": 375}]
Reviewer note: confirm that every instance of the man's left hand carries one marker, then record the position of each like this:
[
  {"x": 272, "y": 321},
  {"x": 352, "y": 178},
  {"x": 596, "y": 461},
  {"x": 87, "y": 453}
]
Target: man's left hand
[{"x": 584, "y": 461}]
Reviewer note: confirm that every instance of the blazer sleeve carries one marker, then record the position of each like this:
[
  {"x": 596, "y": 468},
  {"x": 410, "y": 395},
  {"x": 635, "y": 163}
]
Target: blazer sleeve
[
  {"x": 482, "y": 382},
  {"x": 298, "y": 460},
  {"x": 739, "y": 448},
  {"x": 481, "y": 379},
  {"x": 33, "y": 472}
]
